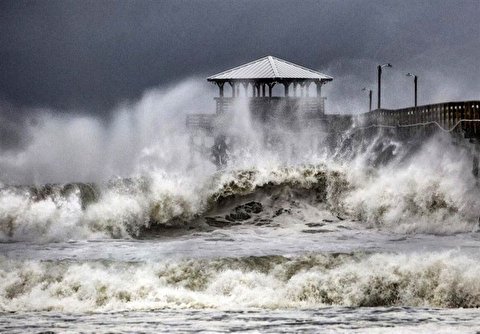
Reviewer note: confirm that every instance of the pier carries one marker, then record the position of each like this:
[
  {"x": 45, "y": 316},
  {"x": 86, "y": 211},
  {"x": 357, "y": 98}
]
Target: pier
[{"x": 252, "y": 86}]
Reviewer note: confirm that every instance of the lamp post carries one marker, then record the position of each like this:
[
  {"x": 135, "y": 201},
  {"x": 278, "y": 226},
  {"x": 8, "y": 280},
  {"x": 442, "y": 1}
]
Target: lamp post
[
  {"x": 369, "y": 97},
  {"x": 415, "y": 81},
  {"x": 379, "y": 68}
]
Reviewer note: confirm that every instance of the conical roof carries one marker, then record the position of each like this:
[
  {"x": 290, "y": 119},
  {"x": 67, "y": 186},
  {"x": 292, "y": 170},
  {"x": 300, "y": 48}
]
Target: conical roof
[{"x": 270, "y": 68}]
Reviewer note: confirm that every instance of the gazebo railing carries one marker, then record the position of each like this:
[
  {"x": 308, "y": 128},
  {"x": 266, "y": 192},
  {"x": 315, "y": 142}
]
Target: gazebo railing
[
  {"x": 263, "y": 104},
  {"x": 200, "y": 121}
]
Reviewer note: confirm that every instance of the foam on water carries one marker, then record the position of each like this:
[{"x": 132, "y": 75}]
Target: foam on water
[{"x": 432, "y": 279}]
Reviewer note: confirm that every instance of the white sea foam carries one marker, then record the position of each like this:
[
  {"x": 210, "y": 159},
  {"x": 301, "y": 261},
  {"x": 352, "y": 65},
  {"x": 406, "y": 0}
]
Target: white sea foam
[{"x": 431, "y": 279}]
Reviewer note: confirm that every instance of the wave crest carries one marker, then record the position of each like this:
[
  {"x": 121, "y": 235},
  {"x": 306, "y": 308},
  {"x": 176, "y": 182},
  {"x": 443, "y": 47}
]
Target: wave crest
[{"x": 403, "y": 200}]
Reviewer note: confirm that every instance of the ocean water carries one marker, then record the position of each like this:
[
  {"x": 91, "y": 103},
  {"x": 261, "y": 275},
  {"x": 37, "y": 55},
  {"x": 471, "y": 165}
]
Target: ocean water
[{"x": 379, "y": 236}]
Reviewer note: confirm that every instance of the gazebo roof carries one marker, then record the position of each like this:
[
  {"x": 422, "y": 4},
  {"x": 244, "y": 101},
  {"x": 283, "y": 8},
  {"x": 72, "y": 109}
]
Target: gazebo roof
[{"x": 269, "y": 68}]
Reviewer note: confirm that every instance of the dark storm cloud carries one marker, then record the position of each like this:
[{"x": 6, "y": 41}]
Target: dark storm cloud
[{"x": 91, "y": 55}]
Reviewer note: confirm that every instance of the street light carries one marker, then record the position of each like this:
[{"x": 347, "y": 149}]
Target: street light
[
  {"x": 369, "y": 96},
  {"x": 379, "y": 68},
  {"x": 415, "y": 81}
]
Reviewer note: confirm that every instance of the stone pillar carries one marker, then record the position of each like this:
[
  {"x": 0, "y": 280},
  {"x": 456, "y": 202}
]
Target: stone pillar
[{"x": 286, "y": 84}]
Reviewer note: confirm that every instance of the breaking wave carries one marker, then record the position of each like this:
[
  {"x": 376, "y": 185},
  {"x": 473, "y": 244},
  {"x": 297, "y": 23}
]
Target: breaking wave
[
  {"x": 425, "y": 280},
  {"x": 126, "y": 207},
  {"x": 428, "y": 193}
]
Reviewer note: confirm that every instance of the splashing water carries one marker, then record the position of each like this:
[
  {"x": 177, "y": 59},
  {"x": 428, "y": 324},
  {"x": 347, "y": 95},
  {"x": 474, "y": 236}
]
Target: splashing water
[{"x": 120, "y": 216}]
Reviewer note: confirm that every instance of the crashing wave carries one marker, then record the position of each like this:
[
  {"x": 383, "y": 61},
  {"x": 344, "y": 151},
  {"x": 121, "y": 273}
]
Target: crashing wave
[
  {"x": 126, "y": 207},
  {"x": 398, "y": 198},
  {"x": 310, "y": 281}
]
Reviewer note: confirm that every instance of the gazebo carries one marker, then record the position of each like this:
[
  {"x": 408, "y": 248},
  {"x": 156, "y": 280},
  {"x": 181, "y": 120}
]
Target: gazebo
[
  {"x": 258, "y": 79},
  {"x": 293, "y": 106}
]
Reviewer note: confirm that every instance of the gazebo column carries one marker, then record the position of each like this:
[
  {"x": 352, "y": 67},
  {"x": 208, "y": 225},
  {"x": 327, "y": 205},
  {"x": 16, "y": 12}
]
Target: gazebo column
[
  {"x": 270, "y": 87},
  {"x": 263, "y": 90},
  {"x": 302, "y": 89},
  {"x": 286, "y": 85},
  {"x": 295, "y": 84},
  {"x": 307, "y": 88},
  {"x": 220, "y": 87},
  {"x": 253, "y": 89},
  {"x": 319, "y": 88},
  {"x": 232, "y": 84}
]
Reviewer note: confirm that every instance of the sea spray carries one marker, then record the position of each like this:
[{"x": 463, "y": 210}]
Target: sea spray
[
  {"x": 431, "y": 191},
  {"x": 139, "y": 137},
  {"x": 397, "y": 197}
]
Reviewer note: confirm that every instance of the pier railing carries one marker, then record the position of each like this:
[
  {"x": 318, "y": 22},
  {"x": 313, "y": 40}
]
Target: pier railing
[
  {"x": 459, "y": 117},
  {"x": 451, "y": 116}
]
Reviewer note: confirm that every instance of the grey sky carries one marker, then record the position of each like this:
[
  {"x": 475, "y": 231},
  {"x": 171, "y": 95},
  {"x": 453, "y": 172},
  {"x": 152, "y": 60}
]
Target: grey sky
[{"x": 88, "y": 56}]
